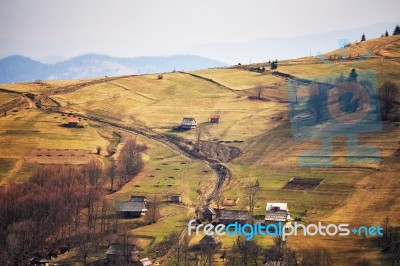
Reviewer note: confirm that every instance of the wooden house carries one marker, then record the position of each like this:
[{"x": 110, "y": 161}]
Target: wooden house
[
  {"x": 139, "y": 199},
  {"x": 214, "y": 119},
  {"x": 230, "y": 201},
  {"x": 146, "y": 262},
  {"x": 188, "y": 123},
  {"x": 210, "y": 241},
  {"x": 209, "y": 214},
  {"x": 117, "y": 252},
  {"x": 36, "y": 261},
  {"x": 232, "y": 216},
  {"x": 73, "y": 122},
  {"x": 175, "y": 198},
  {"x": 132, "y": 209},
  {"x": 277, "y": 212}
]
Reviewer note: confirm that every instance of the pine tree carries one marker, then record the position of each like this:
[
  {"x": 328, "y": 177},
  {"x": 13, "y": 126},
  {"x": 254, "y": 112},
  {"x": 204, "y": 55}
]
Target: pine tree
[
  {"x": 386, "y": 33},
  {"x": 353, "y": 75},
  {"x": 396, "y": 30},
  {"x": 363, "y": 37}
]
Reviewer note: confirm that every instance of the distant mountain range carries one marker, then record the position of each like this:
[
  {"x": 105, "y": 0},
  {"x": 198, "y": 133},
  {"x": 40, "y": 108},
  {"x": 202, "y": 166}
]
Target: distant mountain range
[
  {"x": 264, "y": 49},
  {"x": 18, "y": 68}
]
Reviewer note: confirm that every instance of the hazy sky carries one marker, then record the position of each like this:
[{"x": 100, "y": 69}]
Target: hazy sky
[{"x": 40, "y": 28}]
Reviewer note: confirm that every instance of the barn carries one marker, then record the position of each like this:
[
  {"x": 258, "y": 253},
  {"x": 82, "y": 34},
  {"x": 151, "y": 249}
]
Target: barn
[
  {"x": 132, "y": 209},
  {"x": 73, "y": 122},
  {"x": 214, "y": 119},
  {"x": 188, "y": 123}
]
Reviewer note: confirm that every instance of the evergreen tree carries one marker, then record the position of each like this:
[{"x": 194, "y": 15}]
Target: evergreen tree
[
  {"x": 274, "y": 65},
  {"x": 363, "y": 37},
  {"x": 386, "y": 33},
  {"x": 353, "y": 75},
  {"x": 396, "y": 30}
]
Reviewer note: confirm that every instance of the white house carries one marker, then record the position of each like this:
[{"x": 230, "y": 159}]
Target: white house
[{"x": 277, "y": 212}]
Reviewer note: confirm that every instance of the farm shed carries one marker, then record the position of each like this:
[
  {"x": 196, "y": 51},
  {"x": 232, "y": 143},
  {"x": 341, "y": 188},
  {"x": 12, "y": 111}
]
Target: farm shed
[
  {"x": 232, "y": 216},
  {"x": 73, "y": 122},
  {"x": 139, "y": 199},
  {"x": 230, "y": 201},
  {"x": 214, "y": 119},
  {"x": 175, "y": 198},
  {"x": 209, "y": 214},
  {"x": 210, "y": 241},
  {"x": 277, "y": 212},
  {"x": 36, "y": 261},
  {"x": 130, "y": 208},
  {"x": 146, "y": 262},
  {"x": 188, "y": 123},
  {"x": 119, "y": 251}
]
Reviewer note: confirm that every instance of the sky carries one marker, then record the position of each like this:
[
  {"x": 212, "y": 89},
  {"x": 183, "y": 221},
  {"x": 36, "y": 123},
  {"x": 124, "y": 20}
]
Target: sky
[{"x": 128, "y": 28}]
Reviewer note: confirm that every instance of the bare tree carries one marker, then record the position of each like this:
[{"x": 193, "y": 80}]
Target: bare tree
[
  {"x": 259, "y": 90},
  {"x": 112, "y": 171},
  {"x": 387, "y": 92},
  {"x": 129, "y": 160},
  {"x": 200, "y": 132},
  {"x": 153, "y": 210},
  {"x": 93, "y": 172},
  {"x": 245, "y": 252},
  {"x": 252, "y": 198}
]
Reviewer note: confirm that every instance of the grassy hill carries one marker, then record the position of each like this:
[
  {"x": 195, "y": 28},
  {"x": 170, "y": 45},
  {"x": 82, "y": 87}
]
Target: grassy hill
[{"x": 360, "y": 193}]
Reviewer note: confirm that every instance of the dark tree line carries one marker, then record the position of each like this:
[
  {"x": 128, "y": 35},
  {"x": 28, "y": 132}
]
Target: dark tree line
[{"x": 62, "y": 206}]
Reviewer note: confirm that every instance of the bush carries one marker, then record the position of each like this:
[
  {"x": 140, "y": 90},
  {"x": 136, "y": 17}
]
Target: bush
[{"x": 160, "y": 76}]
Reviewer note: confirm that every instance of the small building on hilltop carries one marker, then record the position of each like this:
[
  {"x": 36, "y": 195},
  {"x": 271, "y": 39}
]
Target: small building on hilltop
[
  {"x": 73, "y": 122},
  {"x": 214, "y": 119},
  {"x": 175, "y": 198},
  {"x": 188, "y": 123},
  {"x": 232, "y": 216},
  {"x": 277, "y": 212},
  {"x": 131, "y": 209}
]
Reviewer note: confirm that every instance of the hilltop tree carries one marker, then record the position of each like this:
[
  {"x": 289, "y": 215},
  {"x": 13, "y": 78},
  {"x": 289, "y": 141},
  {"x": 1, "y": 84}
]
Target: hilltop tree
[
  {"x": 386, "y": 33},
  {"x": 387, "y": 94},
  {"x": 363, "y": 37},
  {"x": 274, "y": 65},
  {"x": 396, "y": 30},
  {"x": 259, "y": 89},
  {"x": 353, "y": 75}
]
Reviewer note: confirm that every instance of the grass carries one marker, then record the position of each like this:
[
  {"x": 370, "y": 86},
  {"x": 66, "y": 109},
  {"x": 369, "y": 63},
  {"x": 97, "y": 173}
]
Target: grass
[
  {"x": 5, "y": 97},
  {"x": 357, "y": 194},
  {"x": 30, "y": 129},
  {"x": 237, "y": 79}
]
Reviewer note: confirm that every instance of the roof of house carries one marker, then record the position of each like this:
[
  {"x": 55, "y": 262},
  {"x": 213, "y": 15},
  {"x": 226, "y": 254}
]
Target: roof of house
[
  {"x": 214, "y": 116},
  {"x": 234, "y": 214},
  {"x": 275, "y": 263},
  {"x": 146, "y": 262},
  {"x": 230, "y": 201},
  {"x": 209, "y": 211},
  {"x": 278, "y": 216},
  {"x": 279, "y": 205},
  {"x": 73, "y": 120},
  {"x": 130, "y": 206},
  {"x": 118, "y": 248},
  {"x": 210, "y": 240},
  {"x": 39, "y": 260},
  {"x": 188, "y": 121},
  {"x": 138, "y": 198}
]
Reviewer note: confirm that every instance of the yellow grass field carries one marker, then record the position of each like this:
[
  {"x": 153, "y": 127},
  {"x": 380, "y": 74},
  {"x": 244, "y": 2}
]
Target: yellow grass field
[{"x": 359, "y": 194}]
